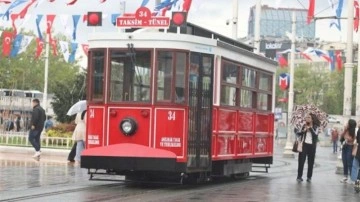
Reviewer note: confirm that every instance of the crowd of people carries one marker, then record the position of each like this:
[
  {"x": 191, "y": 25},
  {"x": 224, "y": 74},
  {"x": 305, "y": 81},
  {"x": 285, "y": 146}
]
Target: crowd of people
[{"x": 348, "y": 139}]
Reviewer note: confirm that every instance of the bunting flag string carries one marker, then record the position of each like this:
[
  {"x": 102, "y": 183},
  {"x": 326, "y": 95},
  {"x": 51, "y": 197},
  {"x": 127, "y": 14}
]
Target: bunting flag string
[
  {"x": 333, "y": 59},
  {"x": 13, "y": 5},
  {"x": 49, "y": 23},
  {"x": 72, "y": 2},
  {"x": 339, "y": 59},
  {"x": 5, "y": 1}
]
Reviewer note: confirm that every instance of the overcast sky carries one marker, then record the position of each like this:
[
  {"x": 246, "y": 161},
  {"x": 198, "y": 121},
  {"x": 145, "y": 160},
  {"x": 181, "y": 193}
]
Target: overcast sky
[{"x": 211, "y": 14}]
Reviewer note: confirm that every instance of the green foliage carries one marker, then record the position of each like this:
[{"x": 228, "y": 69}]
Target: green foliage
[
  {"x": 67, "y": 93},
  {"x": 315, "y": 84},
  {"x": 61, "y": 130},
  {"x": 27, "y": 73}
]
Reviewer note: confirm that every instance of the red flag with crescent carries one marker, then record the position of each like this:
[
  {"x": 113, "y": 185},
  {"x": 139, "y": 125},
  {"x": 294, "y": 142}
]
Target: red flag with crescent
[
  {"x": 49, "y": 23},
  {"x": 85, "y": 48},
  {"x": 39, "y": 47},
  {"x": 53, "y": 44},
  {"x": 7, "y": 39}
]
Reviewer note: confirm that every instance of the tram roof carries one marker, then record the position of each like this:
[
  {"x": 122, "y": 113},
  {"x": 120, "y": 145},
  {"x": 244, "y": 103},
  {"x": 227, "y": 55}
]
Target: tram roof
[{"x": 196, "y": 30}]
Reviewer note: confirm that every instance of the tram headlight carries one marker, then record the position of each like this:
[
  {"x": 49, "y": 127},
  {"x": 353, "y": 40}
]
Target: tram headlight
[{"x": 128, "y": 126}]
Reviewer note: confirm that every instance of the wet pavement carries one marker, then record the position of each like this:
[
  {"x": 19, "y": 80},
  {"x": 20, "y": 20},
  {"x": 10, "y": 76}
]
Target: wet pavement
[{"x": 52, "y": 179}]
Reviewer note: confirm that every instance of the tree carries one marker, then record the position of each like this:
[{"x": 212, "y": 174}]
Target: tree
[{"x": 67, "y": 93}]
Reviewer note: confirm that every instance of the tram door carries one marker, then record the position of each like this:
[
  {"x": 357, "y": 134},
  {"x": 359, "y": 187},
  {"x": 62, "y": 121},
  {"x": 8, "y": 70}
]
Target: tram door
[{"x": 200, "y": 111}]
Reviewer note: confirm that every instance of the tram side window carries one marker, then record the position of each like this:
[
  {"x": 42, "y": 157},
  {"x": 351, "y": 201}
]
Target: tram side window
[
  {"x": 130, "y": 76},
  {"x": 98, "y": 74},
  {"x": 230, "y": 87},
  {"x": 265, "y": 91},
  {"x": 171, "y": 76}
]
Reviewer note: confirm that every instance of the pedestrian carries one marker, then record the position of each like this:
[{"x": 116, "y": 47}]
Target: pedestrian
[
  {"x": 48, "y": 123},
  {"x": 347, "y": 139},
  {"x": 309, "y": 135},
  {"x": 79, "y": 134},
  {"x": 355, "y": 174},
  {"x": 335, "y": 139},
  {"x": 36, "y": 126},
  {"x": 17, "y": 123}
]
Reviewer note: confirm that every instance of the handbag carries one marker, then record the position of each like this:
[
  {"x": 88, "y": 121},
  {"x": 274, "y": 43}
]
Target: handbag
[{"x": 295, "y": 146}]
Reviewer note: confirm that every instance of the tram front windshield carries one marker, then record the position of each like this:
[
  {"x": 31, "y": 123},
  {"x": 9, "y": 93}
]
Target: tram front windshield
[{"x": 130, "y": 76}]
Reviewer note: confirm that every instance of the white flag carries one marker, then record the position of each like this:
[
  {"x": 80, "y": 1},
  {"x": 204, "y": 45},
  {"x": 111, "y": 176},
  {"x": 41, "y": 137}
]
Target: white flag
[
  {"x": 64, "y": 48},
  {"x": 25, "y": 42},
  {"x": 64, "y": 18}
]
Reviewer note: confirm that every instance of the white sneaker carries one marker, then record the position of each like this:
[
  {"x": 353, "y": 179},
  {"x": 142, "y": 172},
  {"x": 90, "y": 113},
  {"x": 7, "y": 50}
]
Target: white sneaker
[
  {"x": 37, "y": 154},
  {"x": 351, "y": 182},
  {"x": 344, "y": 180}
]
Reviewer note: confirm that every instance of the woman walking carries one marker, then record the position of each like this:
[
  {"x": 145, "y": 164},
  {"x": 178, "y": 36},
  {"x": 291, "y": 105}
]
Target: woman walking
[
  {"x": 347, "y": 139},
  {"x": 309, "y": 136},
  {"x": 355, "y": 175},
  {"x": 79, "y": 134}
]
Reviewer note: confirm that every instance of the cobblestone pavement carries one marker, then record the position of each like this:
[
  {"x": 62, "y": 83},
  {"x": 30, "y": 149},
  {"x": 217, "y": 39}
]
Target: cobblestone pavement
[{"x": 52, "y": 179}]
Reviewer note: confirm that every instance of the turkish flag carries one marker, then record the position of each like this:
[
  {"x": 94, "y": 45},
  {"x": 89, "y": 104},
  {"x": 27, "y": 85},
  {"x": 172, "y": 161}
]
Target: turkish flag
[
  {"x": 39, "y": 47},
  {"x": 311, "y": 11},
  {"x": 49, "y": 22},
  {"x": 14, "y": 17},
  {"x": 53, "y": 44},
  {"x": 85, "y": 48},
  {"x": 339, "y": 61},
  {"x": 7, "y": 39}
]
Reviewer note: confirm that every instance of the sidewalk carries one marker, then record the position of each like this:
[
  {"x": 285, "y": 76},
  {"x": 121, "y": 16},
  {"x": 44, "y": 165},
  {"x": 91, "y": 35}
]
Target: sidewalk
[{"x": 25, "y": 153}]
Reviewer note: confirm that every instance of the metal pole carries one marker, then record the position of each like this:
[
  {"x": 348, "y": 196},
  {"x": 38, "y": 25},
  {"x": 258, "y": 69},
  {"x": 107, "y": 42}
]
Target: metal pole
[
  {"x": 358, "y": 82},
  {"x": 349, "y": 59},
  {"x": 235, "y": 19},
  {"x": 288, "y": 147},
  {"x": 47, "y": 49},
  {"x": 257, "y": 26}
]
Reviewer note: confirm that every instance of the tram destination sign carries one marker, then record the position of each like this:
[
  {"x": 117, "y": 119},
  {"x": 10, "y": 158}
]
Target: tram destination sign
[{"x": 142, "y": 18}]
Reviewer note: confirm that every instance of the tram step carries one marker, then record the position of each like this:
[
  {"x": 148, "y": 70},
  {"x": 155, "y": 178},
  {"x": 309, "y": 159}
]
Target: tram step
[{"x": 260, "y": 168}]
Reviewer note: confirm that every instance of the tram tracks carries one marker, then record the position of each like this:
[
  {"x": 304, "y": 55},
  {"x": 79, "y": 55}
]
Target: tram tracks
[{"x": 126, "y": 191}]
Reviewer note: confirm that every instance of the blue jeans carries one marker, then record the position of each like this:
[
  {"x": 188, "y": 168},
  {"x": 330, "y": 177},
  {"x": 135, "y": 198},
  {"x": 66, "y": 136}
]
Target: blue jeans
[
  {"x": 347, "y": 159},
  {"x": 335, "y": 146},
  {"x": 34, "y": 139},
  {"x": 80, "y": 146},
  {"x": 355, "y": 170}
]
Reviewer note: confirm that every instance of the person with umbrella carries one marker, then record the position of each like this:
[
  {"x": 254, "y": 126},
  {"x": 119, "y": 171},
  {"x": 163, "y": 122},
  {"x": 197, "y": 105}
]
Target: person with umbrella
[
  {"x": 79, "y": 109},
  {"x": 309, "y": 136}
]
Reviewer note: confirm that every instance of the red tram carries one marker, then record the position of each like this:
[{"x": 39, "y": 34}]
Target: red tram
[{"x": 176, "y": 104}]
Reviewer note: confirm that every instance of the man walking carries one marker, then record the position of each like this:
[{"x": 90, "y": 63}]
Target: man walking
[{"x": 37, "y": 124}]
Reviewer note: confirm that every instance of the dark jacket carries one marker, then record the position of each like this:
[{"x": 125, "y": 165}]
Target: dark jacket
[
  {"x": 302, "y": 134},
  {"x": 38, "y": 118}
]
